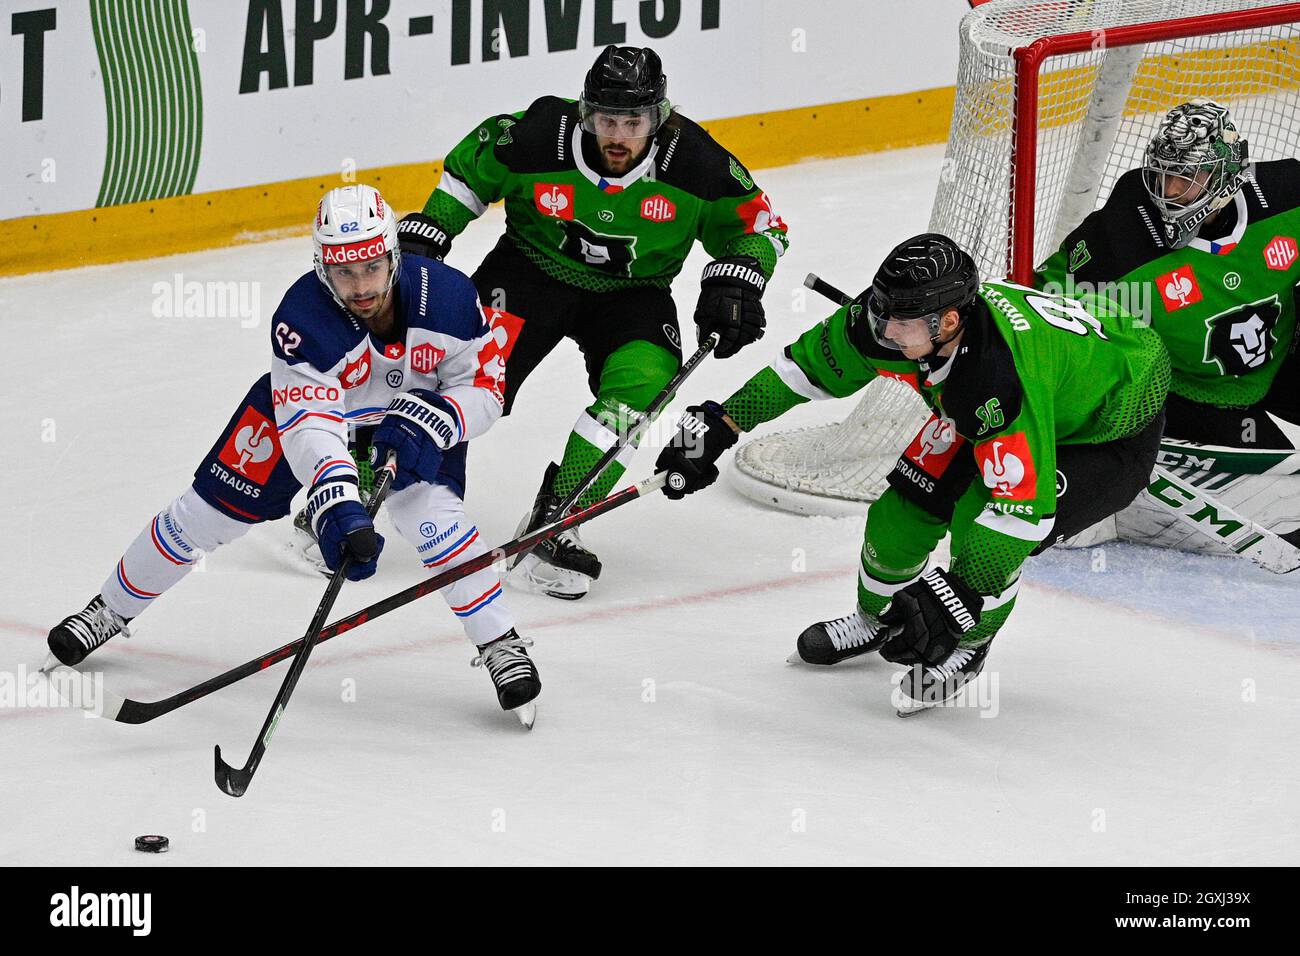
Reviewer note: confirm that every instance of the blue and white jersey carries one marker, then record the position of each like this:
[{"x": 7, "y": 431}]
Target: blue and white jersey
[{"x": 329, "y": 373}]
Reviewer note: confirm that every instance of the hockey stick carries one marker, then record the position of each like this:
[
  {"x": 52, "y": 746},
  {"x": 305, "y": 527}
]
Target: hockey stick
[
  {"x": 1194, "y": 508},
  {"x": 235, "y": 781},
  {"x": 127, "y": 711},
  {"x": 649, "y": 415}
]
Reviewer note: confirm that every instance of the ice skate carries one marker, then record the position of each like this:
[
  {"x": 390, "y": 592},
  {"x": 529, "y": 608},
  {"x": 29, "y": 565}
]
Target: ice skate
[
  {"x": 561, "y": 567},
  {"x": 513, "y": 673},
  {"x": 73, "y": 638},
  {"x": 924, "y": 687},
  {"x": 830, "y": 642}
]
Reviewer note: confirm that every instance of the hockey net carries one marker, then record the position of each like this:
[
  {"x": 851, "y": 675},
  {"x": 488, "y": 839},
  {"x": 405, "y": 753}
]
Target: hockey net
[{"x": 1055, "y": 100}]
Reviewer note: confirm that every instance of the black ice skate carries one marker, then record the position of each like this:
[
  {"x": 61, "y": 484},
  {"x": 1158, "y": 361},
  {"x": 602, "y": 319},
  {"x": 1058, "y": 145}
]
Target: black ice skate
[
  {"x": 560, "y": 567},
  {"x": 513, "y": 674},
  {"x": 830, "y": 642},
  {"x": 925, "y": 687},
  {"x": 73, "y": 638}
]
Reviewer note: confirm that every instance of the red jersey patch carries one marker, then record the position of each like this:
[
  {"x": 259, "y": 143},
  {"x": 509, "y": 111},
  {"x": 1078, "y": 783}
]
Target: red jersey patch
[
  {"x": 1280, "y": 253},
  {"x": 424, "y": 358},
  {"x": 355, "y": 374},
  {"x": 1007, "y": 467},
  {"x": 935, "y": 446},
  {"x": 759, "y": 216},
  {"x": 492, "y": 357},
  {"x": 553, "y": 200},
  {"x": 1179, "y": 288},
  {"x": 659, "y": 209},
  {"x": 252, "y": 448},
  {"x": 394, "y": 350}
]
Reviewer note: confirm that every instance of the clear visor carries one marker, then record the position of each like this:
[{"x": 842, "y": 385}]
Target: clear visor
[
  {"x": 639, "y": 122},
  {"x": 352, "y": 281},
  {"x": 900, "y": 334}
]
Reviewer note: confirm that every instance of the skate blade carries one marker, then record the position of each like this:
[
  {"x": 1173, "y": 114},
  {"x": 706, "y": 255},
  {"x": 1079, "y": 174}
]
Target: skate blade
[
  {"x": 527, "y": 714},
  {"x": 536, "y": 577},
  {"x": 913, "y": 710}
]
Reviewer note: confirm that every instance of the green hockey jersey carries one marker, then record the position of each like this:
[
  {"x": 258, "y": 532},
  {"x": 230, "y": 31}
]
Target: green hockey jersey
[
  {"x": 1031, "y": 373},
  {"x": 1226, "y": 308},
  {"x": 598, "y": 232}
]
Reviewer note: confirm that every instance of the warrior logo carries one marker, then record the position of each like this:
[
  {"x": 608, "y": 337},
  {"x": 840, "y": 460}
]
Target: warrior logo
[
  {"x": 611, "y": 254},
  {"x": 1179, "y": 289},
  {"x": 252, "y": 449},
  {"x": 1242, "y": 339},
  {"x": 1007, "y": 467},
  {"x": 554, "y": 201}
]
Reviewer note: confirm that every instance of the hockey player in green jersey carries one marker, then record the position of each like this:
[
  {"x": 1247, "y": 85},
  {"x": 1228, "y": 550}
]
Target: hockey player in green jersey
[
  {"x": 604, "y": 199},
  {"x": 1207, "y": 243},
  {"x": 1046, "y": 418}
]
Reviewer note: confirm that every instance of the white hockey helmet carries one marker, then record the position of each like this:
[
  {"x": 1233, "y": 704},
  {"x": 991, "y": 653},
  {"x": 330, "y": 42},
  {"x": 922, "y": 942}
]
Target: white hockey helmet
[{"x": 354, "y": 224}]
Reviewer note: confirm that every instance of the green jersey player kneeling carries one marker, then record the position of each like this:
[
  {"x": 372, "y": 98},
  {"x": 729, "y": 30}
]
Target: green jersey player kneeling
[{"x": 1046, "y": 418}]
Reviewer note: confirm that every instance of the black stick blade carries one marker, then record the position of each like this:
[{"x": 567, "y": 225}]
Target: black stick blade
[{"x": 231, "y": 781}]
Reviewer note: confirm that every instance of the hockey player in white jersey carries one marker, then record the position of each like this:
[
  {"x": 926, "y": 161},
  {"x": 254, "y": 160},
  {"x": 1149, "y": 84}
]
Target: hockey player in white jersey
[{"x": 391, "y": 351}]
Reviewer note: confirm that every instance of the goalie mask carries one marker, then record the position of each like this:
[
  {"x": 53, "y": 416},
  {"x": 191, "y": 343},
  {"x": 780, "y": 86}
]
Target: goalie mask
[
  {"x": 1193, "y": 167},
  {"x": 920, "y": 280},
  {"x": 353, "y": 228}
]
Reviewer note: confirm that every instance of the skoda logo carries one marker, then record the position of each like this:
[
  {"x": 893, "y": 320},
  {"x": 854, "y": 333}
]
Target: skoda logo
[{"x": 395, "y": 378}]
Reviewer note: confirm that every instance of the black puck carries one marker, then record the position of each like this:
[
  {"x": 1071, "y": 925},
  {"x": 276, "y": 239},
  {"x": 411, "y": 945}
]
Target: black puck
[{"x": 151, "y": 843}]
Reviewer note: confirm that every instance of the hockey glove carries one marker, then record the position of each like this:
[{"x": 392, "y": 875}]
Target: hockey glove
[
  {"x": 420, "y": 425},
  {"x": 420, "y": 235},
  {"x": 929, "y": 617},
  {"x": 731, "y": 303},
  {"x": 702, "y": 436},
  {"x": 343, "y": 528}
]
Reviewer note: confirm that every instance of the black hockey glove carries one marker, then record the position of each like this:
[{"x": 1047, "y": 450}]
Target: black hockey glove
[
  {"x": 702, "y": 436},
  {"x": 731, "y": 303},
  {"x": 419, "y": 235},
  {"x": 930, "y": 616}
]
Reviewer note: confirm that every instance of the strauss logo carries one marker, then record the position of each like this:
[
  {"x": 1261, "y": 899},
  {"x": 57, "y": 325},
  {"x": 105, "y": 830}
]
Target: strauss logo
[
  {"x": 936, "y": 438},
  {"x": 1179, "y": 287},
  {"x": 1003, "y": 472},
  {"x": 554, "y": 201},
  {"x": 253, "y": 445}
]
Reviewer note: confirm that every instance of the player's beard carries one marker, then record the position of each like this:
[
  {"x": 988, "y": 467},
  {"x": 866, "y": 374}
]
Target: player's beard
[
  {"x": 373, "y": 305},
  {"x": 619, "y": 158}
]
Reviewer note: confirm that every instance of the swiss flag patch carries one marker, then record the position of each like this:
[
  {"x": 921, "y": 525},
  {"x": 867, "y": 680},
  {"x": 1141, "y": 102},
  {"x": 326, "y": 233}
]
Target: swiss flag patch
[
  {"x": 1007, "y": 467},
  {"x": 553, "y": 200},
  {"x": 252, "y": 449},
  {"x": 935, "y": 446},
  {"x": 1280, "y": 253},
  {"x": 355, "y": 374},
  {"x": 1179, "y": 288}
]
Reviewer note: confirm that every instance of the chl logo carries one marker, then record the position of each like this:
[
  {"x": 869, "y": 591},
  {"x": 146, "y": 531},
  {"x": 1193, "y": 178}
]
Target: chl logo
[
  {"x": 935, "y": 446},
  {"x": 424, "y": 358},
  {"x": 1242, "y": 339},
  {"x": 1280, "y": 253},
  {"x": 554, "y": 200},
  {"x": 1007, "y": 467},
  {"x": 1179, "y": 288},
  {"x": 658, "y": 209},
  {"x": 252, "y": 448}
]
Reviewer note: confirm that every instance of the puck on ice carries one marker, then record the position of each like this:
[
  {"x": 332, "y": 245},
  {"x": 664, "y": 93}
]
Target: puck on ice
[{"x": 151, "y": 843}]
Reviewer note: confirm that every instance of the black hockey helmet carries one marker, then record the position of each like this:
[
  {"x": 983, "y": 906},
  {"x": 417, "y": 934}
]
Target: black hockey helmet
[
  {"x": 921, "y": 278},
  {"x": 625, "y": 81}
]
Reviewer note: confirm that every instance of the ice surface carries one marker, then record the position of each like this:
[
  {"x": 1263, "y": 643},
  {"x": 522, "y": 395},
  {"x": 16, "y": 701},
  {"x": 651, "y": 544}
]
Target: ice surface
[{"x": 1146, "y": 709}]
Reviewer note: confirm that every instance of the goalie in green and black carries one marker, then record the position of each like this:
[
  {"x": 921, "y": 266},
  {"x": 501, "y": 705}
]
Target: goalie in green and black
[
  {"x": 1047, "y": 417},
  {"x": 1203, "y": 244},
  {"x": 604, "y": 197}
]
